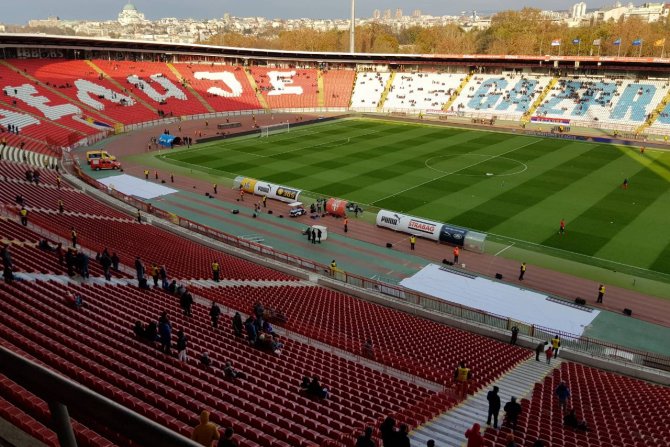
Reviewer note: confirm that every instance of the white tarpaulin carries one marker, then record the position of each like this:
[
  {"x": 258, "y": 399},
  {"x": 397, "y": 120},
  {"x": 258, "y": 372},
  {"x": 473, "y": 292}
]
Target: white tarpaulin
[
  {"x": 133, "y": 186},
  {"x": 499, "y": 298}
]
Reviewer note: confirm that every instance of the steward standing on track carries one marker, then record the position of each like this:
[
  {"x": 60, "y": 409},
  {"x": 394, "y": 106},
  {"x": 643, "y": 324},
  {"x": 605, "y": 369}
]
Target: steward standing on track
[
  {"x": 146, "y": 174},
  {"x": 346, "y": 225},
  {"x": 601, "y": 293},
  {"x": 457, "y": 252},
  {"x": 412, "y": 241}
]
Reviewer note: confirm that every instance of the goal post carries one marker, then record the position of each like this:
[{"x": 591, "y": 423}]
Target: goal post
[{"x": 272, "y": 129}]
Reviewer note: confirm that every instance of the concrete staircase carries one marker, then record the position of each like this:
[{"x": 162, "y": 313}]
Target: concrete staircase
[
  {"x": 447, "y": 105},
  {"x": 254, "y": 86},
  {"x": 449, "y": 428},
  {"x": 540, "y": 99},
  {"x": 321, "y": 94},
  {"x": 188, "y": 87},
  {"x": 386, "y": 92},
  {"x": 657, "y": 111}
]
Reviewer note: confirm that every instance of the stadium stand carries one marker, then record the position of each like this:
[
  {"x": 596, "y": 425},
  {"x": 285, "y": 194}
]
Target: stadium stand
[
  {"x": 508, "y": 94},
  {"x": 155, "y": 83},
  {"x": 338, "y": 87},
  {"x": 421, "y": 91},
  {"x": 368, "y": 89},
  {"x": 608, "y": 100},
  {"x": 418, "y": 346},
  {"x": 287, "y": 87},
  {"x": 619, "y": 411},
  {"x": 88, "y": 88},
  {"x": 224, "y": 87}
]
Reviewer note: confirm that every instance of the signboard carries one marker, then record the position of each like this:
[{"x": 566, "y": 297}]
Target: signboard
[
  {"x": 409, "y": 224},
  {"x": 261, "y": 188}
]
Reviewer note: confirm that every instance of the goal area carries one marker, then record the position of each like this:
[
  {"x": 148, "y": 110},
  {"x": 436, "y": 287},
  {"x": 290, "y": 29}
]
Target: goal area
[{"x": 272, "y": 129}]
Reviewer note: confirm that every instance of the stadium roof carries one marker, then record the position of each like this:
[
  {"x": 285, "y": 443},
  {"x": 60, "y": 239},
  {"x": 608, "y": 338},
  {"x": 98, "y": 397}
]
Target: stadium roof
[{"x": 91, "y": 43}]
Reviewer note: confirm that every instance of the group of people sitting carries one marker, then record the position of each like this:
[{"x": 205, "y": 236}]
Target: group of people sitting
[
  {"x": 312, "y": 387},
  {"x": 259, "y": 331}
]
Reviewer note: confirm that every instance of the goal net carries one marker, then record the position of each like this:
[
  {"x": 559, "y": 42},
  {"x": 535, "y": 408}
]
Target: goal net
[{"x": 266, "y": 131}]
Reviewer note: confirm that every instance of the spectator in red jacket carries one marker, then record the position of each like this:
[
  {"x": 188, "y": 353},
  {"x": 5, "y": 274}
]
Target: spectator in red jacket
[{"x": 474, "y": 436}]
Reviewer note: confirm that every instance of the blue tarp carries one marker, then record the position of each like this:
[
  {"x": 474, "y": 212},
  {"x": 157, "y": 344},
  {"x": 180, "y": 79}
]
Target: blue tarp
[{"x": 166, "y": 140}]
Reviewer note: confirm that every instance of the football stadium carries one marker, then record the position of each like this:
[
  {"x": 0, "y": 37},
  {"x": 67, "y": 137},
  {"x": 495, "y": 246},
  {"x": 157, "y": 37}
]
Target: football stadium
[{"x": 207, "y": 245}]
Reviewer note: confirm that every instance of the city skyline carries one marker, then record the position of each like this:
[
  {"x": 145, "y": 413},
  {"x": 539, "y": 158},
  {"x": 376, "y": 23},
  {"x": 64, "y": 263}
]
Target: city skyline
[{"x": 205, "y": 9}]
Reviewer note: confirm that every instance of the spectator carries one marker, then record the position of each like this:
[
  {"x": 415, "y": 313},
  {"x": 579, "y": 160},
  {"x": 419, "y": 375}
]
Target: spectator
[
  {"x": 154, "y": 274},
  {"x": 549, "y": 353},
  {"x": 186, "y": 301},
  {"x": 165, "y": 331},
  {"x": 227, "y": 440},
  {"x": 539, "y": 349},
  {"x": 231, "y": 373},
  {"x": 206, "y": 432},
  {"x": 181, "y": 346},
  {"x": 474, "y": 436},
  {"x": 205, "y": 360},
  {"x": 512, "y": 412},
  {"x": 115, "y": 261},
  {"x": 511, "y": 442},
  {"x": 24, "y": 216},
  {"x": 430, "y": 443},
  {"x": 250, "y": 327},
  {"x": 214, "y": 313},
  {"x": 139, "y": 269},
  {"x": 401, "y": 438},
  {"x": 151, "y": 332},
  {"x": 315, "y": 389},
  {"x": 365, "y": 440},
  {"x": 138, "y": 330},
  {"x": 555, "y": 345},
  {"x": 461, "y": 375},
  {"x": 563, "y": 393},
  {"x": 515, "y": 334},
  {"x": 75, "y": 300},
  {"x": 494, "y": 406},
  {"x": 368, "y": 349},
  {"x": 162, "y": 273},
  {"x": 106, "y": 264},
  {"x": 6, "y": 256},
  {"x": 571, "y": 420},
  {"x": 387, "y": 432},
  {"x": 215, "y": 271}
]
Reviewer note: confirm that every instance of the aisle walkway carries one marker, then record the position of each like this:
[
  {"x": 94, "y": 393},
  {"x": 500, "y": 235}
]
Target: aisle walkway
[{"x": 449, "y": 428}]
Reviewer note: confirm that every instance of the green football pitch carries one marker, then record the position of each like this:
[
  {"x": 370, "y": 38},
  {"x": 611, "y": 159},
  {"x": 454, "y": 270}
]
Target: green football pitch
[{"x": 516, "y": 188}]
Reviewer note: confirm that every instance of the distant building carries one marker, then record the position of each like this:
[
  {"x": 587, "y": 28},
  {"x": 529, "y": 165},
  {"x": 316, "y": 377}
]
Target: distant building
[
  {"x": 398, "y": 13},
  {"x": 131, "y": 16},
  {"x": 578, "y": 10},
  {"x": 376, "y": 14}
]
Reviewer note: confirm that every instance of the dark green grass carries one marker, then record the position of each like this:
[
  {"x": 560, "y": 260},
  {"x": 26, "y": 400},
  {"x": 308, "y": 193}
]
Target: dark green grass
[{"x": 517, "y": 188}]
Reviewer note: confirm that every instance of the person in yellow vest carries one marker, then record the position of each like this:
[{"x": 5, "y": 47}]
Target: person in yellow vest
[
  {"x": 146, "y": 174},
  {"x": 555, "y": 344},
  {"x": 24, "y": 216},
  {"x": 522, "y": 271},
  {"x": 333, "y": 267},
  {"x": 215, "y": 271},
  {"x": 462, "y": 374},
  {"x": 412, "y": 242},
  {"x": 206, "y": 432},
  {"x": 265, "y": 200},
  {"x": 457, "y": 252},
  {"x": 155, "y": 271},
  {"x": 61, "y": 207},
  {"x": 601, "y": 293},
  {"x": 215, "y": 188}
]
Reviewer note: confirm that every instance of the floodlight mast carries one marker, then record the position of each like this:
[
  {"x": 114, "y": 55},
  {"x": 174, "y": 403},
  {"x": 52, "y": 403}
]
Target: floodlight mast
[{"x": 352, "y": 31}]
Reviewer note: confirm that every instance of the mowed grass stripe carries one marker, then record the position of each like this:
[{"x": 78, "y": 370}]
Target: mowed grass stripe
[
  {"x": 594, "y": 228},
  {"x": 540, "y": 158},
  {"x": 631, "y": 247},
  {"x": 437, "y": 184},
  {"x": 515, "y": 200},
  {"x": 541, "y": 221}
]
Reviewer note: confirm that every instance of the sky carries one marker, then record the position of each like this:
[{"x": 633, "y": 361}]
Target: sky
[{"x": 23, "y": 10}]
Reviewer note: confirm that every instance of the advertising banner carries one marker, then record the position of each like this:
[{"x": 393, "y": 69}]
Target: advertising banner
[
  {"x": 409, "y": 224},
  {"x": 261, "y": 188},
  {"x": 336, "y": 207},
  {"x": 453, "y": 235}
]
